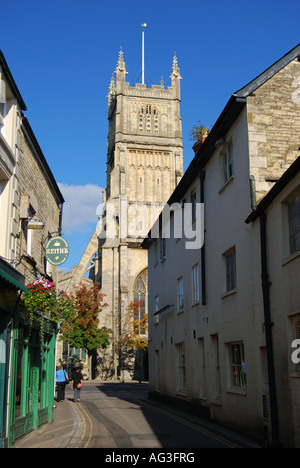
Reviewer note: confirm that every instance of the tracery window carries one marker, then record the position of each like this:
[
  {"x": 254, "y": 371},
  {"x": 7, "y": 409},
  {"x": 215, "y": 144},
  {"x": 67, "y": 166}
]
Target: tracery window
[
  {"x": 148, "y": 119},
  {"x": 140, "y": 294}
]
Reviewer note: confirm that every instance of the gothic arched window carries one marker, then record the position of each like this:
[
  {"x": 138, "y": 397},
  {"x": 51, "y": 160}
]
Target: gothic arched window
[{"x": 140, "y": 295}]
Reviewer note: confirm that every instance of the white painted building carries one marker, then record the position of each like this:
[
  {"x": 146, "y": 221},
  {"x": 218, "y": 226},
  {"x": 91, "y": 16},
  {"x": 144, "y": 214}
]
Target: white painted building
[
  {"x": 207, "y": 338},
  {"x": 11, "y": 107}
]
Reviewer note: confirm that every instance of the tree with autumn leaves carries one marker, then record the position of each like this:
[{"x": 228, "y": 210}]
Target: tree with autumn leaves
[
  {"x": 83, "y": 330},
  {"x": 130, "y": 336},
  {"x": 76, "y": 314}
]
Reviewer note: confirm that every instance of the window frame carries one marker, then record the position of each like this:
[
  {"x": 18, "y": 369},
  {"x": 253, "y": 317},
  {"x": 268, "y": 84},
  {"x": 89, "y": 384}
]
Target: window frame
[
  {"x": 156, "y": 309},
  {"x": 230, "y": 270},
  {"x": 195, "y": 284},
  {"x": 293, "y": 219},
  {"x": 237, "y": 371},
  {"x": 181, "y": 368},
  {"x": 227, "y": 162},
  {"x": 180, "y": 294}
]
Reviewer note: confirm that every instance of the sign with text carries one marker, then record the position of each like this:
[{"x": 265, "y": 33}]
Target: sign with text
[{"x": 57, "y": 250}]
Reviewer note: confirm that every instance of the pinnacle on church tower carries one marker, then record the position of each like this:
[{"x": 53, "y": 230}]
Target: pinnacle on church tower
[
  {"x": 121, "y": 63},
  {"x": 111, "y": 90},
  {"x": 144, "y": 166},
  {"x": 175, "y": 69},
  {"x": 175, "y": 76},
  {"x": 112, "y": 87},
  {"x": 120, "y": 71}
]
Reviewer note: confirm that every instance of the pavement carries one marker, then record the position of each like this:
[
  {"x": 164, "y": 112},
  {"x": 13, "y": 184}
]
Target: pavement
[
  {"x": 66, "y": 429},
  {"x": 55, "y": 434}
]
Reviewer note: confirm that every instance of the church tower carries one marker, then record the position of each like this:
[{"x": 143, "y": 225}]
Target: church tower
[{"x": 144, "y": 165}]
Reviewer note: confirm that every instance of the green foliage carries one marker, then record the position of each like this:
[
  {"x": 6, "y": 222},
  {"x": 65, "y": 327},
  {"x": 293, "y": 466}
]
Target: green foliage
[
  {"x": 76, "y": 314},
  {"x": 40, "y": 297},
  {"x": 199, "y": 131},
  {"x": 82, "y": 329}
]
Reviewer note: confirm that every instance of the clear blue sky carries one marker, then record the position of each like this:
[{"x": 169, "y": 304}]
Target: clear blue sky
[{"x": 62, "y": 54}]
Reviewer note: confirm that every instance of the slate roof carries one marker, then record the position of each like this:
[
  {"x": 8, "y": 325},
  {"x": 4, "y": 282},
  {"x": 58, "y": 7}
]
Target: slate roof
[{"x": 226, "y": 119}]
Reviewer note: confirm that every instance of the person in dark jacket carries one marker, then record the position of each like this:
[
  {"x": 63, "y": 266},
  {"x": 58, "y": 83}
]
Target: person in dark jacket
[{"x": 77, "y": 383}]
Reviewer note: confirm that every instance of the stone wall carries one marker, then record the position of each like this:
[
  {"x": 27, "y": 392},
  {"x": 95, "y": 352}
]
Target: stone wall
[
  {"x": 274, "y": 127},
  {"x": 44, "y": 204}
]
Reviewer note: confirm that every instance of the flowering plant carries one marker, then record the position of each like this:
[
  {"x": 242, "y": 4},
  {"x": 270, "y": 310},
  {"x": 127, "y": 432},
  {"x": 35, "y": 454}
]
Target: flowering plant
[{"x": 40, "y": 297}]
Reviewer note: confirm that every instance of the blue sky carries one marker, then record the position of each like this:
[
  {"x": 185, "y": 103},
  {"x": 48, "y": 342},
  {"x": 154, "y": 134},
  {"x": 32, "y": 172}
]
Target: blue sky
[{"x": 62, "y": 54}]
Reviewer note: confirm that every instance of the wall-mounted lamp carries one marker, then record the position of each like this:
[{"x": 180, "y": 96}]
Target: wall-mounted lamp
[{"x": 34, "y": 224}]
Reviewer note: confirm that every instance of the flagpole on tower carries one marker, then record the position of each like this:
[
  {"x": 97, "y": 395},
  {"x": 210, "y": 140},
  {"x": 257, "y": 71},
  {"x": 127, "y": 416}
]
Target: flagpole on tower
[{"x": 143, "y": 53}]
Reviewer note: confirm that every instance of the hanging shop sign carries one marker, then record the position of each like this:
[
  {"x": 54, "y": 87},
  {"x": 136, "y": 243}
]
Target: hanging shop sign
[{"x": 57, "y": 250}]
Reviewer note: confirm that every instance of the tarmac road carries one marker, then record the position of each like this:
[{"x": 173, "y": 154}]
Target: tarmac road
[{"x": 113, "y": 415}]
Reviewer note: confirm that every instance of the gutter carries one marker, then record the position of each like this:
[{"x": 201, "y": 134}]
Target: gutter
[
  {"x": 203, "y": 265},
  {"x": 268, "y": 330},
  {"x": 260, "y": 213}
]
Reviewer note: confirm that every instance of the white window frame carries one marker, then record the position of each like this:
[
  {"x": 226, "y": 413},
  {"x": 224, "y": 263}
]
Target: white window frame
[
  {"x": 195, "y": 283},
  {"x": 227, "y": 162},
  {"x": 181, "y": 368},
  {"x": 237, "y": 365},
  {"x": 162, "y": 246},
  {"x": 294, "y": 224},
  {"x": 180, "y": 294},
  {"x": 156, "y": 309},
  {"x": 230, "y": 270}
]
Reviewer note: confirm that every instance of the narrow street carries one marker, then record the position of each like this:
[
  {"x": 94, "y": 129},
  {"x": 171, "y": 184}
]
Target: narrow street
[{"x": 120, "y": 416}]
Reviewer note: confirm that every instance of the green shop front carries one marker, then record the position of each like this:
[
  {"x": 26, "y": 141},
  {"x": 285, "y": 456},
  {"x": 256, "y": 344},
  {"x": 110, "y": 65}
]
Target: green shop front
[{"x": 27, "y": 362}]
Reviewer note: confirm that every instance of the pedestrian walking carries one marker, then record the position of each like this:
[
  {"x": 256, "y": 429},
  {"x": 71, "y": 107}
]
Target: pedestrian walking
[
  {"x": 61, "y": 381},
  {"x": 77, "y": 383}
]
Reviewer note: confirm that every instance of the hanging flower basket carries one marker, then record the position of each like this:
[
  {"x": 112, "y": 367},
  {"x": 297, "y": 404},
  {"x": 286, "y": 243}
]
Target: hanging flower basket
[
  {"x": 40, "y": 297},
  {"x": 43, "y": 303}
]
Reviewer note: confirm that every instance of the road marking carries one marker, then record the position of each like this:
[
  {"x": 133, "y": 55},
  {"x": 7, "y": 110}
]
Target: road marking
[
  {"x": 192, "y": 425},
  {"x": 91, "y": 426},
  {"x": 84, "y": 423}
]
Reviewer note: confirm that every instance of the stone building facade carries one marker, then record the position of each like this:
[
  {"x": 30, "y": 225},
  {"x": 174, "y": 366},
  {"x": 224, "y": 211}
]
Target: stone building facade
[
  {"x": 39, "y": 201},
  {"x": 30, "y": 213},
  {"x": 213, "y": 344},
  {"x": 11, "y": 107},
  {"x": 144, "y": 165}
]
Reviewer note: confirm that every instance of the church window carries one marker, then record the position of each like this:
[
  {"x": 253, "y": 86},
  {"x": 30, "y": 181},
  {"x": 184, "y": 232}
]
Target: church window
[
  {"x": 141, "y": 120},
  {"x": 140, "y": 295},
  {"x": 148, "y": 119}
]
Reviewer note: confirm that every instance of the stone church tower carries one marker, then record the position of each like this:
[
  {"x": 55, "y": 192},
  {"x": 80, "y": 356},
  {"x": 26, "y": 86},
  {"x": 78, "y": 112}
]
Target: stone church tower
[{"x": 144, "y": 165}]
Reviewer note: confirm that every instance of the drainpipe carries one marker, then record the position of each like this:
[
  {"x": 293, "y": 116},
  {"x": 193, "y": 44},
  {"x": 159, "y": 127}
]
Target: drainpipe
[
  {"x": 203, "y": 270},
  {"x": 268, "y": 331}
]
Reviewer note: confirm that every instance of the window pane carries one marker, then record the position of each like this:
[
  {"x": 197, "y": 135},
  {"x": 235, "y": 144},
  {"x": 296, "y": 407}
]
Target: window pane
[
  {"x": 294, "y": 224},
  {"x": 196, "y": 284},
  {"x": 230, "y": 271},
  {"x": 139, "y": 295},
  {"x": 238, "y": 366},
  {"x": 180, "y": 293}
]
